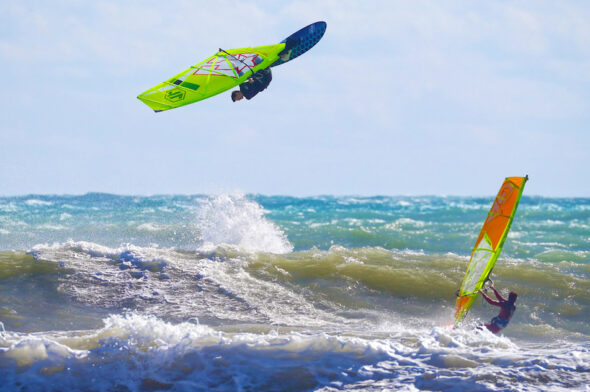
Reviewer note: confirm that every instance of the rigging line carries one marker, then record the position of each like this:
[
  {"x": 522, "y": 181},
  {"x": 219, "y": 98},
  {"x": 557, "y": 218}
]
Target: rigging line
[{"x": 221, "y": 50}]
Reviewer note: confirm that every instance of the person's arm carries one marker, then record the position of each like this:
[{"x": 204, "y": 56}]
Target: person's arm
[
  {"x": 258, "y": 77},
  {"x": 488, "y": 299},
  {"x": 497, "y": 294},
  {"x": 262, "y": 77}
]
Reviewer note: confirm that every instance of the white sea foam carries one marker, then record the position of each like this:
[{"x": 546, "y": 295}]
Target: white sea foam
[
  {"x": 235, "y": 220},
  {"x": 8, "y": 207},
  {"x": 109, "y": 276},
  {"x": 402, "y": 224},
  {"x": 178, "y": 283},
  {"x": 37, "y": 202},
  {"x": 138, "y": 351},
  {"x": 553, "y": 222},
  {"x": 578, "y": 225},
  {"x": 150, "y": 227},
  {"x": 51, "y": 227},
  {"x": 64, "y": 216},
  {"x": 263, "y": 300},
  {"x": 31, "y": 349},
  {"x": 466, "y": 206}
]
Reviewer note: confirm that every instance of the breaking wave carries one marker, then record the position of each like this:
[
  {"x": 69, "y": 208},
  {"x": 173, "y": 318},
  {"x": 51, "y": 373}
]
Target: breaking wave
[{"x": 236, "y": 220}]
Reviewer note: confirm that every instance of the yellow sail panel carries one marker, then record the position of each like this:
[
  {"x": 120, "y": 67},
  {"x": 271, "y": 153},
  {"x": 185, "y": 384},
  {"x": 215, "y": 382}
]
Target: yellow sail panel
[
  {"x": 489, "y": 243},
  {"x": 216, "y": 74}
]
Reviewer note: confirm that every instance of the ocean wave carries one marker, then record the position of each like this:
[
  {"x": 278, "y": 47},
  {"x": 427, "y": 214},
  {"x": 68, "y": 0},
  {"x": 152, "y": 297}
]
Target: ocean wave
[
  {"x": 313, "y": 287},
  {"x": 560, "y": 255},
  {"x": 38, "y": 203},
  {"x": 8, "y": 207},
  {"x": 402, "y": 224},
  {"x": 279, "y": 224},
  {"x": 236, "y": 220},
  {"x": 221, "y": 284},
  {"x": 143, "y": 352},
  {"x": 151, "y": 227},
  {"x": 254, "y": 292}
]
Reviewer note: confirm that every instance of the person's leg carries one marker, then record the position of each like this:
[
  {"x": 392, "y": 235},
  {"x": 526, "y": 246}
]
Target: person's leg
[{"x": 493, "y": 328}]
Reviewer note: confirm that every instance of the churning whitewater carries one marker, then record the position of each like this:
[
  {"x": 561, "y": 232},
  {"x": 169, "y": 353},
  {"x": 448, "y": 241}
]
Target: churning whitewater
[{"x": 250, "y": 293}]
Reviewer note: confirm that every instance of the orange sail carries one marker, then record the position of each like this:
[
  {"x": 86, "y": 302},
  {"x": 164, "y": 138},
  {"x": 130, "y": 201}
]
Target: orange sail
[{"x": 489, "y": 243}]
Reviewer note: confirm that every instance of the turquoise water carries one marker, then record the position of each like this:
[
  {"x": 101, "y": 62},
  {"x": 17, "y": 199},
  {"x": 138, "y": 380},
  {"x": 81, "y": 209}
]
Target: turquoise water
[
  {"x": 252, "y": 292},
  {"x": 549, "y": 230}
]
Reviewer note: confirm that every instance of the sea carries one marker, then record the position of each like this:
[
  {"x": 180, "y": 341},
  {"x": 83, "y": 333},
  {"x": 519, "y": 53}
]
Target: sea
[{"x": 247, "y": 292}]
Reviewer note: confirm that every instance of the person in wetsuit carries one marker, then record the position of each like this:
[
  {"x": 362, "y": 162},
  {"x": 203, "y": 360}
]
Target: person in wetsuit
[
  {"x": 260, "y": 80},
  {"x": 506, "y": 306},
  {"x": 255, "y": 84}
]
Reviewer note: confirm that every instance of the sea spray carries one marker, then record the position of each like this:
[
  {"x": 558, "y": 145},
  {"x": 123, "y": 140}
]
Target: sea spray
[{"x": 236, "y": 220}]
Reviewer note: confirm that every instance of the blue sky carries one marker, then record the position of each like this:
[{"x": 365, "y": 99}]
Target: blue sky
[{"x": 399, "y": 98}]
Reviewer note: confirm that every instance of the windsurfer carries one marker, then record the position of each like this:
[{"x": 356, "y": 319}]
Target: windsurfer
[
  {"x": 506, "y": 306},
  {"x": 255, "y": 84}
]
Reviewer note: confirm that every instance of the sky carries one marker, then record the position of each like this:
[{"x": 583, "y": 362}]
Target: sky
[{"x": 398, "y": 98}]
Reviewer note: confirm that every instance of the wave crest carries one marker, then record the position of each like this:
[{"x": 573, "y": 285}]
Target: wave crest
[{"x": 235, "y": 220}]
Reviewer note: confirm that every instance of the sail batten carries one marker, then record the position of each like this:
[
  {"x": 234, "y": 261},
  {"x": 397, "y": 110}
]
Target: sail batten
[{"x": 489, "y": 243}]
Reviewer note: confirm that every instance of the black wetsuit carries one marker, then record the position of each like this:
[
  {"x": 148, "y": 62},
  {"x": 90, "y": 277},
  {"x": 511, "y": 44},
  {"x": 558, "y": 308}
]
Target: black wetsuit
[{"x": 260, "y": 81}]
